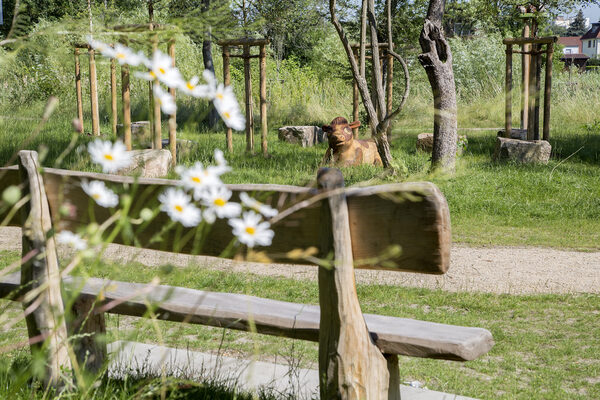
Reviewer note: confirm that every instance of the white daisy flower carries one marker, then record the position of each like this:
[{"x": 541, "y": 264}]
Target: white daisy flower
[
  {"x": 256, "y": 205},
  {"x": 105, "y": 49},
  {"x": 251, "y": 231},
  {"x": 111, "y": 156},
  {"x": 221, "y": 166},
  {"x": 164, "y": 98},
  {"x": 161, "y": 68},
  {"x": 198, "y": 179},
  {"x": 178, "y": 206},
  {"x": 216, "y": 200},
  {"x": 71, "y": 239},
  {"x": 232, "y": 116},
  {"x": 125, "y": 55},
  {"x": 102, "y": 195},
  {"x": 224, "y": 98},
  {"x": 192, "y": 88}
]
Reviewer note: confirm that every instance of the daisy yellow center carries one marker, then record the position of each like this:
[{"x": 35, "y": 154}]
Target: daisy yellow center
[
  {"x": 120, "y": 55},
  {"x": 95, "y": 196},
  {"x": 219, "y": 96},
  {"x": 195, "y": 179},
  {"x": 109, "y": 157},
  {"x": 250, "y": 230},
  {"x": 178, "y": 208},
  {"x": 227, "y": 115},
  {"x": 190, "y": 86},
  {"x": 152, "y": 74},
  {"x": 220, "y": 202},
  {"x": 162, "y": 71}
]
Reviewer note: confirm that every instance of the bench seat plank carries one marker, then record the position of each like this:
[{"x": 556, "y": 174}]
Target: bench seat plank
[{"x": 391, "y": 334}]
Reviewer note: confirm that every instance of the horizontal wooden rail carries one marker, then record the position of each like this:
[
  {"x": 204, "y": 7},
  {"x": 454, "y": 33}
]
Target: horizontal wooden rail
[
  {"x": 272, "y": 317},
  {"x": 414, "y": 216},
  {"x": 521, "y": 41}
]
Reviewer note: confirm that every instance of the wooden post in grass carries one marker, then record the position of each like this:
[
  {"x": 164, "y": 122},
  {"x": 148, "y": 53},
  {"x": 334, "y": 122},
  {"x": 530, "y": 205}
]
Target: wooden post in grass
[
  {"x": 249, "y": 114},
  {"x": 155, "y": 109},
  {"x": 538, "y": 92},
  {"x": 126, "y": 102},
  {"x": 263, "y": 100},
  {"x": 508, "y": 93},
  {"x": 87, "y": 329},
  {"x": 350, "y": 365},
  {"x": 525, "y": 62},
  {"x": 532, "y": 94},
  {"x": 45, "y": 319},
  {"x": 547, "y": 91},
  {"x": 94, "y": 93},
  {"x": 173, "y": 117},
  {"x": 78, "y": 89},
  {"x": 227, "y": 82},
  {"x": 113, "y": 96}
]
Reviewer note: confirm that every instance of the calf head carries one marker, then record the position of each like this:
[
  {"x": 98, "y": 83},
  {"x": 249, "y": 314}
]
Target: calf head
[{"x": 339, "y": 132}]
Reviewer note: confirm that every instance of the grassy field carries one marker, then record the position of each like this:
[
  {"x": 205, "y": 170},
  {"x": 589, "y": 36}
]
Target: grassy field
[{"x": 544, "y": 343}]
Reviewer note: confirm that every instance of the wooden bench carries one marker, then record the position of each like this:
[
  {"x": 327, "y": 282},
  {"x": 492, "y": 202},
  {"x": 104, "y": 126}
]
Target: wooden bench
[{"x": 351, "y": 227}]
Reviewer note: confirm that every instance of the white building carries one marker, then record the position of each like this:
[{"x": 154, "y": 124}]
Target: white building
[{"x": 590, "y": 41}]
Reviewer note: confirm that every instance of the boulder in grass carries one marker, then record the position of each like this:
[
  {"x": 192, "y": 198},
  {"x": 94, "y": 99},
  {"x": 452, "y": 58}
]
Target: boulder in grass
[
  {"x": 149, "y": 163},
  {"x": 306, "y": 136},
  {"x": 522, "y": 151},
  {"x": 425, "y": 143}
]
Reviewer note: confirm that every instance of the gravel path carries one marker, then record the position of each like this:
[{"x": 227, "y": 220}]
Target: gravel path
[{"x": 497, "y": 269}]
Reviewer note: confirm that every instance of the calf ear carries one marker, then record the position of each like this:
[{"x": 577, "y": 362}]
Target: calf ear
[
  {"x": 354, "y": 124},
  {"x": 327, "y": 128}
]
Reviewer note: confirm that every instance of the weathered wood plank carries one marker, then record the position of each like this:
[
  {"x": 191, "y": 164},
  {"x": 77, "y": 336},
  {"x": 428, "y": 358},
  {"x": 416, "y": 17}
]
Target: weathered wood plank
[
  {"x": 414, "y": 216},
  {"x": 392, "y": 335}
]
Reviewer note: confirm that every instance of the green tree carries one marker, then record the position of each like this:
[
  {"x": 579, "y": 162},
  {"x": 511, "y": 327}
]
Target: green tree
[{"x": 577, "y": 26}]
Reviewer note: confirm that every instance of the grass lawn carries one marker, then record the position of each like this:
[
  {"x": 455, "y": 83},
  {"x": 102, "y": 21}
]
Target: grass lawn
[{"x": 545, "y": 344}]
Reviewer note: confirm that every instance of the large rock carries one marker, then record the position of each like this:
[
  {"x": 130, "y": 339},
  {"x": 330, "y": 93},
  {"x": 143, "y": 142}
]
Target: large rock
[
  {"x": 522, "y": 151},
  {"x": 306, "y": 136},
  {"x": 425, "y": 143},
  {"x": 149, "y": 163}
]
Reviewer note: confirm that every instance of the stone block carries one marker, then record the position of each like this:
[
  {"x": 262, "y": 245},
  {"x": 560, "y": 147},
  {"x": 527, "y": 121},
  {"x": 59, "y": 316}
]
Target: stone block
[
  {"x": 149, "y": 163},
  {"x": 520, "y": 134},
  {"x": 306, "y": 136},
  {"x": 425, "y": 143},
  {"x": 522, "y": 151}
]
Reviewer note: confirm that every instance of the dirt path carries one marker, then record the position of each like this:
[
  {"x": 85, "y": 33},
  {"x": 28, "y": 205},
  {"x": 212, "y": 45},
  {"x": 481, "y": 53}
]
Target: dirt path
[{"x": 497, "y": 269}]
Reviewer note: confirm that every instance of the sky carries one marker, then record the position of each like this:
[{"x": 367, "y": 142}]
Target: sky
[{"x": 592, "y": 12}]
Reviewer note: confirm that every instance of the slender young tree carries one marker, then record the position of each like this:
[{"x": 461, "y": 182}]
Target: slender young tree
[
  {"x": 437, "y": 61},
  {"x": 577, "y": 26}
]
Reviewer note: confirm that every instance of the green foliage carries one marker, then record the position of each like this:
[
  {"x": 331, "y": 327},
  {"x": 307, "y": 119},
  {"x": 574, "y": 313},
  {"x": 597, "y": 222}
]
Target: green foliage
[{"x": 577, "y": 27}]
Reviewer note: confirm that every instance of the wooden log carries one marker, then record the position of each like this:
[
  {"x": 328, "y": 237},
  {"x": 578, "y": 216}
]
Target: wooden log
[
  {"x": 531, "y": 40},
  {"x": 392, "y": 335},
  {"x": 113, "y": 96},
  {"x": 525, "y": 62},
  {"x": 249, "y": 113},
  {"x": 94, "y": 94},
  {"x": 547, "y": 91},
  {"x": 126, "y": 103},
  {"x": 88, "y": 329},
  {"x": 46, "y": 321},
  {"x": 78, "y": 90},
  {"x": 508, "y": 93},
  {"x": 227, "y": 82},
  {"x": 263, "y": 101},
  {"x": 173, "y": 117},
  {"x": 350, "y": 365}
]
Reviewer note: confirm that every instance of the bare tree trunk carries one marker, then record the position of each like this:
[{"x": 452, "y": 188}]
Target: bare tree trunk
[
  {"x": 437, "y": 61},
  {"x": 213, "y": 116}
]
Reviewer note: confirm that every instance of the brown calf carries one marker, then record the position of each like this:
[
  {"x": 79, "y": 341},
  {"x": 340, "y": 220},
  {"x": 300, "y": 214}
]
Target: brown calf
[{"x": 346, "y": 150}]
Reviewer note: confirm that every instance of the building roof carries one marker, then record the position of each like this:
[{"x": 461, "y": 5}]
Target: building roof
[
  {"x": 575, "y": 56},
  {"x": 593, "y": 33},
  {"x": 570, "y": 41}
]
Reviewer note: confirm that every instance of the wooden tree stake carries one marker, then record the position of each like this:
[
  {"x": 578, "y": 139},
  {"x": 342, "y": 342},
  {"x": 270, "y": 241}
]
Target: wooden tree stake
[
  {"x": 508, "y": 93},
  {"x": 125, "y": 94},
  {"x": 249, "y": 114},
  {"x": 94, "y": 94},
  {"x": 350, "y": 365},
  {"x": 173, "y": 117},
  {"x": 113, "y": 95},
  {"x": 47, "y": 320},
  {"x": 532, "y": 95},
  {"x": 78, "y": 90},
  {"x": 155, "y": 110},
  {"x": 227, "y": 82},
  {"x": 263, "y": 100},
  {"x": 547, "y": 91},
  {"x": 526, "y": 62}
]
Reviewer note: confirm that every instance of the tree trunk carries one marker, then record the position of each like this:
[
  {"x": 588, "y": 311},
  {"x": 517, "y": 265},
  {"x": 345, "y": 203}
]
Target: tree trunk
[
  {"x": 213, "y": 116},
  {"x": 437, "y": 61}
]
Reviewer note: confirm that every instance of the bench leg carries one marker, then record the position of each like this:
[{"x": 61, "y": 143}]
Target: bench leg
[
  {"x": 86, "y": 327},
  {"x": 350, "y": 365},
  {"x": 392, "y": 366}
]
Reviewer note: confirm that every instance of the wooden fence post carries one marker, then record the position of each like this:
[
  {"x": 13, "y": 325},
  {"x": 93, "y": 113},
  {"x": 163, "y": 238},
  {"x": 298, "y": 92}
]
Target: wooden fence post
[
  {"x": 94, "y": 94},
  {"x": 113, "y": 95},
  {"x": 249, "y": 113},
  {"x": 350, "y": 365},
  {"x": 85, "y": 326},
  {"x": 173, "y": 117},
  {"x": 263, "y": 100},
  {"x": 78, "y": 89},
  {"x": 227, "y": 82},
  {"x": 46, "y": 325}
]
